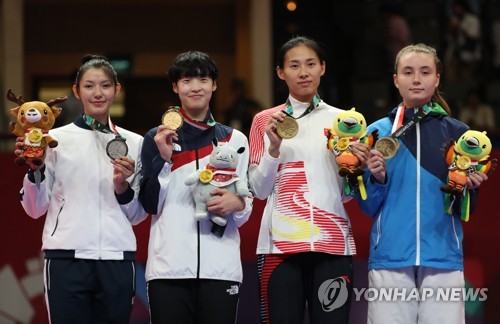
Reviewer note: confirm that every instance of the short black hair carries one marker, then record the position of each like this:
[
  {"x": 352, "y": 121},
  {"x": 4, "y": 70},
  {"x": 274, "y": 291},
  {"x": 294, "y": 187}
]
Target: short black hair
[{"x": 192, "y": 64}]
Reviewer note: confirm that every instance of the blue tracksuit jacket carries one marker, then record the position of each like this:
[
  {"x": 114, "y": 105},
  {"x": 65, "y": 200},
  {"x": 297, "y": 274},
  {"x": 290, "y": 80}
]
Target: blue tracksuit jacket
[{"x": 411, "y": 226}]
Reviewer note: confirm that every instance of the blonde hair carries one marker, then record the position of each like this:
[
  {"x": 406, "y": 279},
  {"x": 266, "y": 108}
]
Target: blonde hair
[{"x": 426, "y": 49}]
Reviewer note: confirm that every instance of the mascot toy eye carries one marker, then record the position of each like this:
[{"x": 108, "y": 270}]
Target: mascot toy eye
[
  {"x": 468, "y": 155},
  {"x": 348, "y": 129},
  {"x": 219, "y": 173},
  {"x": 33, "y": 121}
]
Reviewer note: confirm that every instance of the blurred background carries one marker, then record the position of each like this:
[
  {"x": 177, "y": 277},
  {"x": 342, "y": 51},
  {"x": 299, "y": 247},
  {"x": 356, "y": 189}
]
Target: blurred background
[{"x": 42, "y": 42}]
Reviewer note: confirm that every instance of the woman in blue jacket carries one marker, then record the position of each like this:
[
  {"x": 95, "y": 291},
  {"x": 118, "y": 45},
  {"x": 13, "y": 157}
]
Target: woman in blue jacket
[{"x": 415, "y": 245}]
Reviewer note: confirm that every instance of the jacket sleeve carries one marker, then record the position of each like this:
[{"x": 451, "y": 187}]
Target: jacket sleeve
[
  {"x": 263, "y": 167},
  {"x": 129, "y": 201},
  {"x": 155, "y": 175},
  {"x": 376, "y": 193},
  {"x": 35, "y": 198}
]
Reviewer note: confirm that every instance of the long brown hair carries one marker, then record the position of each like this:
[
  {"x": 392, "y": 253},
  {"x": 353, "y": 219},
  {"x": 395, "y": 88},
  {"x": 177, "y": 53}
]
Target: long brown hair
[{"x": 426, "y": 49}]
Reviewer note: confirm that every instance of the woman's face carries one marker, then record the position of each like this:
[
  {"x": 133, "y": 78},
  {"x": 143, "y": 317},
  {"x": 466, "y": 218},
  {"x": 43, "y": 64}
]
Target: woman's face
[
  {"x": 416, "y": 78},
  {"x": 302, "y": 71},
  {"x": 195, "y": 94},
  {"x": 97, "y": 93}
]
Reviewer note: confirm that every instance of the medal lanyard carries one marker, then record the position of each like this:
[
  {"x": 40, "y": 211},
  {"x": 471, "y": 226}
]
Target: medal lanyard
[
  {"x": 313, "y": 104},
  {"x": 208, "y": 121},
  {"x": 398, "y": 129},
  {"x": 95, "y": 125}
]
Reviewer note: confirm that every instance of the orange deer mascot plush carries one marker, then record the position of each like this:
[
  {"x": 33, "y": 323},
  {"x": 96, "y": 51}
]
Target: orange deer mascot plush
[{"x": 33, "y": 121}]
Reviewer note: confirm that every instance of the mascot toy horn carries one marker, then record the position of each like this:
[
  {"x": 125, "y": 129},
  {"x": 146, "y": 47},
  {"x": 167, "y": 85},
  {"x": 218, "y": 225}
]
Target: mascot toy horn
[
  {"x": 219, "y": 173},
  {"x": 468, "y": 155},
  {"x": 348, "y": 129},
  {"x": 33, "y": 121}
]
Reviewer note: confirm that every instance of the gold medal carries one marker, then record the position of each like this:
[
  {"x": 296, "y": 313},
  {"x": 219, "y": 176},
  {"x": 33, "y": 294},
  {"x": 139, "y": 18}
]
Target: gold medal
[
  {"x": 206, "y": 176},
  {"x": 173, "y": 119},
  {"x": 288, "y": 128},
  {"x": 463, "y": 162},
  {"x": 388, "y": 146},
  {"x": 343, "y": 144},
  {"x": 35, "y": 135}
]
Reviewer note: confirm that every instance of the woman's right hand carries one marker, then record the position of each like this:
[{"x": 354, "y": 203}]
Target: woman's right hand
[
  {"x": 164, "y": 140},
  {"x": 19, "y": 151},
  {"x": 274, "y": 138},
  {"x": 19, "y": 146}
]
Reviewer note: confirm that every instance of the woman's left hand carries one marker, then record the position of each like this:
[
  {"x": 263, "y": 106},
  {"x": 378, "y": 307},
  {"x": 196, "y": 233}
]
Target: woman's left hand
[
  {"x": 226, "y": 204},
  {"x": 122, "y": 169},
  {"x": 475, "y": 179},
  {"x": 376, "y": 165}
]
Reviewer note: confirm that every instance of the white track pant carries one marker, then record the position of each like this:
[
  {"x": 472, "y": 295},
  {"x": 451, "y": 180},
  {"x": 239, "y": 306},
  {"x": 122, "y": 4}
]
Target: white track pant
[{"x": 411, "y": 310}]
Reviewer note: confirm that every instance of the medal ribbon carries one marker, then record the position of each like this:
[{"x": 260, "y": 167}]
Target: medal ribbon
[
  {"x": 401, "y": 129},
  {"x": 208, "y": 121},
  {"x": 312, "y": 104},
  {"x": 95, "y": 125}
]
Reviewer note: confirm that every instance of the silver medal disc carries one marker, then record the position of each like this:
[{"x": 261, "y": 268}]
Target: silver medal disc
[{"x": 117, "y": 148}]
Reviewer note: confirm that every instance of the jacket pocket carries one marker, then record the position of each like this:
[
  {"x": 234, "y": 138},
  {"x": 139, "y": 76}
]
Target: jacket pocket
[{"x": 57, "y": 218}]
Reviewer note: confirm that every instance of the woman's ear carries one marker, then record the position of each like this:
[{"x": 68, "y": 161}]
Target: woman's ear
[
  {"x": 118, "y": 89},
  {"x": 279, "y": 72},
  {"x": 395, "y": 79},
  {"x": 75, "y": 92},
  {"x": 174, "y": 87}
]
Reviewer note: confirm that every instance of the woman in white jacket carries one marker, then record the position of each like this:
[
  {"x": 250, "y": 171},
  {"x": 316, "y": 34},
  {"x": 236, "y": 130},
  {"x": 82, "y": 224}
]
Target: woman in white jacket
[{"x": 91, "y": 202}]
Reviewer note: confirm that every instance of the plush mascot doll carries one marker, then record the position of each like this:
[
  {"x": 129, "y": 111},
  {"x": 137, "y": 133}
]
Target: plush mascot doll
[
  {"x": 33, "y": 121},
  {"x": 348, "y": 129},
  {"x": 219, "y": 173},
  {"x": 468, "y": 155}
]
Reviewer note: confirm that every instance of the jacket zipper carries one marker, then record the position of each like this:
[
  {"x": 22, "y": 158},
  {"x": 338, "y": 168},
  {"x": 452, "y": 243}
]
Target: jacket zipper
[
  {"x": 198, "y": 229},
  {"x": 311, "y": 213},
  {"x": 417, "y": 254},
  {"x": 57, "y": 218},
  {"x": 99, "y": 200}
]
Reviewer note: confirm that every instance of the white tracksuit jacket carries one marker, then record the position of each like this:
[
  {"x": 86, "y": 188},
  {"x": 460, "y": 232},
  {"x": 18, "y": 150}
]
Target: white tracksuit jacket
[{"x": 77, "y": 194}]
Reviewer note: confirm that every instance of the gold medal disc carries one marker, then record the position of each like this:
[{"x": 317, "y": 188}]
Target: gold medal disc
[
  {"x": 463, "y": 162},
  {"x": 288, "y": 128},
  {"x": 343, "y": 144},
  {"x": 35, "y": 135},
  {"x": 388, "y": 146},
  {"x": 173, "y": 119},
  {"x": 206, "y": 176}
]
